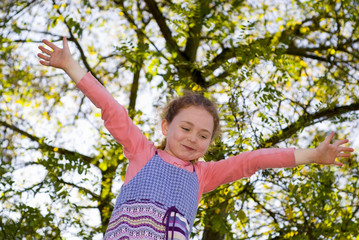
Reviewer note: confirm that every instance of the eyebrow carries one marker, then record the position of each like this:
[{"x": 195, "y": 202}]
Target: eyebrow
[{"x": 203, "y": 129}]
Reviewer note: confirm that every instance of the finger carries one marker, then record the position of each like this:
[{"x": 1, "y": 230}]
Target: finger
[
  {"x": 339, "y": 164},
  {"x": 44, "y": 63},
  {"x": 46, "y": 58},
  {"x": 45, "y": 50},
  {"x": 341, "y": 142},
  {"x": 329, "y": 138},
  {"x": 65, "y": 43},
  {"x": 50, "y": 44},
  {"x": 343, "y": 155},
  {"x": 345, "y": 149}
]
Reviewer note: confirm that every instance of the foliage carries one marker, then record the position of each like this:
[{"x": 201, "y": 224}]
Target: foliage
[{"x": 281, "y": 73}]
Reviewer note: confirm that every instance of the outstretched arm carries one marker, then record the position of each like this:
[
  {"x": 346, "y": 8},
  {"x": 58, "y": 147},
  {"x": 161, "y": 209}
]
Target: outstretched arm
[
  {"x": 325, "y": 154},
  {"x": 61, "y": 58},
  {"x": 114, "y": 115},
  {"x": 213, "y": 174}
]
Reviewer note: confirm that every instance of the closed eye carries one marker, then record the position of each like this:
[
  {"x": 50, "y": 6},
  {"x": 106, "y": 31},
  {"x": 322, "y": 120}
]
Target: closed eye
[{"x": 186, "y": 129}]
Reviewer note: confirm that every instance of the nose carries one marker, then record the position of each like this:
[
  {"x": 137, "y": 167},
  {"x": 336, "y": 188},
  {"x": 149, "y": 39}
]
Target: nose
[{"x": 191, "y": 137}]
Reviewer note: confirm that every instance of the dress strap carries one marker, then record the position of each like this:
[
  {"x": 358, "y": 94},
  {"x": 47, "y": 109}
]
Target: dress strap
[{"x": 166, "y": 221}]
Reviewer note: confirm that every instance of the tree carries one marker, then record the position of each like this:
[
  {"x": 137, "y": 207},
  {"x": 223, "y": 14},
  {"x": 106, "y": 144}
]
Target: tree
[{"x": 280, "y": 73}]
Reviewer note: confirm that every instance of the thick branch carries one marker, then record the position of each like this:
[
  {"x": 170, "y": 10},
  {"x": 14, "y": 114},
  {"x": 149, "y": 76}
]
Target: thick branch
[
  {"x": 185, "y": 69},
  {"x": 134, "y": 90},
  {"x": 307, "y": 120},
  {"x": 224, "y": 56},
  {"x": 243, "y": 54},
  {"x": 139, "y": 61},
  {"x": 193, "y": 39},
  {"x": 165, "y": 30},
  {"x": 302, "y": 53},
  {"x": 47, "y": 147}
]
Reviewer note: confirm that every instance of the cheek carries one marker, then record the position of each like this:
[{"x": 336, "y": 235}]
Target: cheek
[
  {"x": 205, "y": 145},
  {"x": 179, "y": 134},
  {"x": 175, "y": 136}
]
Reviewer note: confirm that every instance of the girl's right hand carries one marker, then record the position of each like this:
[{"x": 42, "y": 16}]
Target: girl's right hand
[{"x": 58, "y": 57}]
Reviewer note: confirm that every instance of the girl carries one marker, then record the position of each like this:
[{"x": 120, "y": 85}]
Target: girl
[{"x": 162, "y": 188}]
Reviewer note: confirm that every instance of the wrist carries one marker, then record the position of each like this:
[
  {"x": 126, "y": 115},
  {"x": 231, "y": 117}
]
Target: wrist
[
  {"x": 69, "y": 65},
  {"x": 75, "y": 71},
  {"x": 312, "y": 155},
  {"x": 305, "y": 156}
]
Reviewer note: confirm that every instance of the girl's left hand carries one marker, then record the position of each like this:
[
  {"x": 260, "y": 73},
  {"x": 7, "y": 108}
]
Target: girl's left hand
[
  {"x": 326, "y": 153},
  {"x": 56, "y": 57}
]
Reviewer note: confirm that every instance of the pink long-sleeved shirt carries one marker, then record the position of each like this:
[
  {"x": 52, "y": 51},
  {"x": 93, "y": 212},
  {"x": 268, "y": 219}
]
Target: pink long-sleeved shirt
[{"x": 139, "y": 150}]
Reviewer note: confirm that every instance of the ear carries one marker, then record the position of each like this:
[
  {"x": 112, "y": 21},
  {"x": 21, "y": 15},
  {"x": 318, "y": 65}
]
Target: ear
[{"x": 164, "y": 127}]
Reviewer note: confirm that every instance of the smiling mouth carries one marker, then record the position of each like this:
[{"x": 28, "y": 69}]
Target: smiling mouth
[{"x": 188, "y": 148}]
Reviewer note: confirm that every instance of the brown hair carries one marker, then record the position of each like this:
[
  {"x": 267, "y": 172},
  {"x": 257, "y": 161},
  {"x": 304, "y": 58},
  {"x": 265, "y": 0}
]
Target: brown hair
[{"x": 188, "y": 100}]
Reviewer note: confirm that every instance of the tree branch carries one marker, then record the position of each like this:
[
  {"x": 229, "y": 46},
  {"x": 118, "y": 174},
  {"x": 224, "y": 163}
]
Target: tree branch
[
  {"x": 47, "y": 147},
  {"x": 95, "y": 196},
  {"x": 303, "y": 53},
  {"x": 187, "y": 68},
  {"x": 139, "y": 58},
  {"x": 5, "y": 20},
  {"x": 193, "y": 39},
  {"x": 139, "y": 31},
  {"x": 243, "y": 54},
  {"x": 307, "y": 120},
  {"x": 82, "y": 53},
  {"x": 165, "y": 30}
]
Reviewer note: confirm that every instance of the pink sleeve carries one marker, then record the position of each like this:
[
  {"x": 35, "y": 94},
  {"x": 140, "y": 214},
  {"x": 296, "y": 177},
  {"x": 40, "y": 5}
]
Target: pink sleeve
[
  {"x": 115, "y": 116},
  {"x": 213, "y": 174}
]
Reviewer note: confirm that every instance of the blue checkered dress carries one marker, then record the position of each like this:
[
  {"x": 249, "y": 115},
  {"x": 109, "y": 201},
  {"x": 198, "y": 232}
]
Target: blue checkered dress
[{"x": 160, "y": 202}]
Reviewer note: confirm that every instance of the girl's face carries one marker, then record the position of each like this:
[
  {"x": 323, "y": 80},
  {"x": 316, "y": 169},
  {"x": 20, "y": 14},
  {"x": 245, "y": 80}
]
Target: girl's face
[{"x": 189, "y": 134}]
